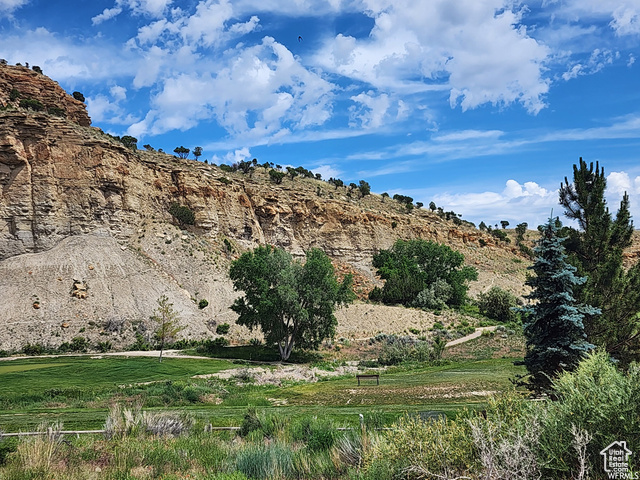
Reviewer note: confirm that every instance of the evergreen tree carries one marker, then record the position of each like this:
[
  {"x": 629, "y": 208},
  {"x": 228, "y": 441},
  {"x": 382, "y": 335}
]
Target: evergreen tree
[
  {"x": 553, "y": 324},
  {"x": 181, "y": 151},
  {"x": 596, "y": 248}
]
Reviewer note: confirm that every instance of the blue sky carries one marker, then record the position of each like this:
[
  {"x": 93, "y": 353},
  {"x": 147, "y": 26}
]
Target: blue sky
[{"x": 482, "y": 106}]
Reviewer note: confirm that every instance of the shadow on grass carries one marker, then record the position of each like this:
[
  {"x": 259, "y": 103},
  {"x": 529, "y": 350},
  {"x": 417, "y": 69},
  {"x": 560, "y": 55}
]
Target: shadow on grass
[{"x": 256, "y": 353}]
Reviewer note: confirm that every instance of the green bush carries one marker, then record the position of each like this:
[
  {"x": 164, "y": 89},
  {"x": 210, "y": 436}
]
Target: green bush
[
  {"x": 183, "y": 214},
  {"x": 250, "y": 423},
  {"x": 223, "y": 329},
  {"x": 498, "y": 304},
  {"x": 203, "y": 304},
  {"x": 57, "y": 111},
  {"x": 599, "y": 399},
  {"x": 31, "y": 104},
  {"x": 104, "y": 347},
  {"x": 213, "y": 346},
  {"x": 140, "y": 344},
  {"x": 34, "y": 349},
  {"x": 417, "y": 448},
  {"x": 78, "y": 344}
]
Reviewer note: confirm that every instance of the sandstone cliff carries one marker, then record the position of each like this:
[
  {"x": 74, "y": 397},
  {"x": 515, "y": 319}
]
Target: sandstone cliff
[
  {"x": 20, "y": 83},
  {"x": 79, "y": 207}
]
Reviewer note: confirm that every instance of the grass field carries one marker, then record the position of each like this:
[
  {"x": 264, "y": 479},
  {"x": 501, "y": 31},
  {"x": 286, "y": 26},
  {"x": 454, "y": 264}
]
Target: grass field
[{"x": 79, "y": 390}]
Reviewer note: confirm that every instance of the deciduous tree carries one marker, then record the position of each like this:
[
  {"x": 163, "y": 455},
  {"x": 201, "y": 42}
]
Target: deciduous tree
[
  {"x": 292, "y": 303},
  {"x": 410, "y": 267},
  {"x": 167, "y": 320}
]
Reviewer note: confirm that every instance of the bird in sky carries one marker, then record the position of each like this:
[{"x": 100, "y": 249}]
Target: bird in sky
[{"x": 299, "y": 38}]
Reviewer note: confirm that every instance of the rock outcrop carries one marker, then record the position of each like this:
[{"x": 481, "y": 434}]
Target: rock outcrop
[{"x": 19, "y": 84}]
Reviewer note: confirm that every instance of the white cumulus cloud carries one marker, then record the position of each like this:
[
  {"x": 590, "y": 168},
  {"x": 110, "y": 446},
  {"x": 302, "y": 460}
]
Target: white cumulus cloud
[
  {"x": 479, "y": 55},
  {"x": 518, "y": 202}
]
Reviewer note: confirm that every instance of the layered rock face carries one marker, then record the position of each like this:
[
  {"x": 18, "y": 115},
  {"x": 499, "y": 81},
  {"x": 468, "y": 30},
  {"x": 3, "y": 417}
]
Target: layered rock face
[
  {"x": 59, "y": 180},
  {"x": 20, "y": 83},
  {"x": 74, "y": 198}
]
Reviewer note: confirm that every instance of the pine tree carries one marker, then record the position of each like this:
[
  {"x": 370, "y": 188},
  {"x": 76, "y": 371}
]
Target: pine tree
[
  {"x": 553, "y": 324},
  {"x": 596, "y": 249}
]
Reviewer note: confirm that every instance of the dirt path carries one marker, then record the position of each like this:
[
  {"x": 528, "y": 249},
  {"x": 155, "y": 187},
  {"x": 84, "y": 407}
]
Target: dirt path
[
  {"x": 150, "y": 353},
  {"x": 471, "y": 336}
]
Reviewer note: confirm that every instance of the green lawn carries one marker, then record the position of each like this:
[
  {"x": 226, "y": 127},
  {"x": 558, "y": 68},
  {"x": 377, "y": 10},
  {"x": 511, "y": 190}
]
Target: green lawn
[
  {"x": 79, "y": 390},
  {"x": 38, "y": 375}
]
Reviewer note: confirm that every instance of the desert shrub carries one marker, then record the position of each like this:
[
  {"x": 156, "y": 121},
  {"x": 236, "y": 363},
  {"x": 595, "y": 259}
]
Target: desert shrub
[
  {"x": 417, "y": 448},
  {"x": 597, "y": 398},
  {"x": 276, "y": 177},
  {"x": 31, "y": 104},
  {"x": 506, "y": 437},
  {"x": 501, "y": 235},
  {"x": 165, "y": 423},
  {"x": 78, "y": 96},
  {"x": 104, "y": 347},
  {"x": 397, "y": 350},
  {"x": 183, "y": 214},
  {"x": 498, "y": 304},
  {"x": 57, "y": 111},
  {"x": 125, "y": 422},
  {"x": 78, "y": 344},
  {"x": 435, "y": 296},
  {"x": 34, "y": 349},
  {"x": 203, "y": 304},
  {"x": 223, "y": 329},
  {"x": 14, "y": 94},
  {"x": 36, "y": 456}
]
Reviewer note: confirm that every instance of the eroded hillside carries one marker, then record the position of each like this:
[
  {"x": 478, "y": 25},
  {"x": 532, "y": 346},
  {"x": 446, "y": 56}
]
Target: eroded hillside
[{"x": 79, "y": 207}]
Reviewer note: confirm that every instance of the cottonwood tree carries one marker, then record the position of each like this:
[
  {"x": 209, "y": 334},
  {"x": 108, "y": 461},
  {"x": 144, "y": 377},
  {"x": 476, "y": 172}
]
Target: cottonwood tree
[
  {"x": 292, "y": 303},
  {"x": 553, "y": 324},
  {"x": 596, "y": 249},
  {"x": 167, "y": 320},
  {"x": 414, "y": 266}
]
